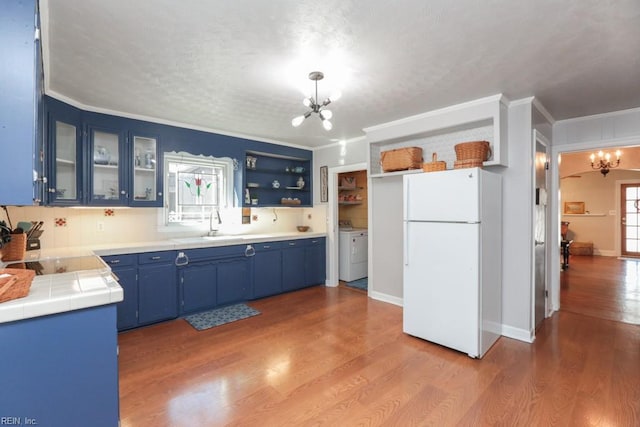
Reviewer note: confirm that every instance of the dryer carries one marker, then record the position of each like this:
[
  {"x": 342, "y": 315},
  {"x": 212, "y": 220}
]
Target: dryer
[{"x": 353, "y": 258}]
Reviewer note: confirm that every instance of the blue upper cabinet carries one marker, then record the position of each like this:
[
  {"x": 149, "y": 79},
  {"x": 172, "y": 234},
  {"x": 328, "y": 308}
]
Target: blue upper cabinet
[
  {"x": 64, "y": 158},
  {"x": 145, "y": 185},
  {"x": 104, "y": 160},
  {"x": 20, "y": 100},
  {"x": 107, "y": 166}
]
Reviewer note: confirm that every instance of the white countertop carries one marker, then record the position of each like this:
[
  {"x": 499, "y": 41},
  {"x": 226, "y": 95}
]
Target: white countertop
[{"x": 58, "y": 293}]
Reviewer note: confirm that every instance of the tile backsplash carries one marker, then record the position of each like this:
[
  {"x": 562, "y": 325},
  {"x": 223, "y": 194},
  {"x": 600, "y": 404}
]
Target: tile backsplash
[{"x": 69, "y": 227}]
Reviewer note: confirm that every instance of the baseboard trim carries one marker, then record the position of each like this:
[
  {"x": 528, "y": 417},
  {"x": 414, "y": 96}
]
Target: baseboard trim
[
  {"x": 518, "y": 334},
  {"x": 385, "y": 298}
]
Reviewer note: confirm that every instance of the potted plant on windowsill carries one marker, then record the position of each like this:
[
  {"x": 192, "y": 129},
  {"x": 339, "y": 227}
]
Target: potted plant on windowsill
[{"x": 254, "y": 199}]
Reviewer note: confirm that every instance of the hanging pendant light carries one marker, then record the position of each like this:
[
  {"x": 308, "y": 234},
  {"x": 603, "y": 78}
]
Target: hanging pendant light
[{"x": 315, "y": 106}]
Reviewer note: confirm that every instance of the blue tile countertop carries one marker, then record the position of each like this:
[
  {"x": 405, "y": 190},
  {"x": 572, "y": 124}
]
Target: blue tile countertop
[{"x": 58, "y": 293}]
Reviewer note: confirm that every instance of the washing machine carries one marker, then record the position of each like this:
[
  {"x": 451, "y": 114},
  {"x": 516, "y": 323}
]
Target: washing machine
[{"x": 353, "y": 257}]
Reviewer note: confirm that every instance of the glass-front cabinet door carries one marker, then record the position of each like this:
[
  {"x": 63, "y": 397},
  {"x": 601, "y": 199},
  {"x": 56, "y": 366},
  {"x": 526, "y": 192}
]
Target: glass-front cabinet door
[
  {"x": 145, "y": 176},
  {"x": 106, "y": 178},
  {"x": 64, "y": 162}
]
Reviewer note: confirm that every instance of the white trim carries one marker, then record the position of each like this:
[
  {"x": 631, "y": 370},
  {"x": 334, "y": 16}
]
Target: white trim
[
  {"x": 597, "y": 143},
  {"x": 93, "y": 109},
  {"x": 518, "y": 334},
  {"x": 536, "y": 137},
  {"x": 522, "y": 101},
  {"x": 599, "y": 116},
  {"x": 543, "y": 111},
  {"x": 379, "y": 296},
  {"x": 342, "y": 142},
  {"x": 457, "y": 107},
  {"x": 332, "y": 219}
]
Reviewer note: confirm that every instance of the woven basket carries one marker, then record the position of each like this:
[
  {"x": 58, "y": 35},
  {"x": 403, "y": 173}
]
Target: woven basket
[
  {"x": 401, "y": 159},
  {"x": 463, "y": 164},
  {"x": 16, "y": 284},
  {"x": 473, "y": 150},
  {"x": 16, "y": 248},
  {"x": 435, "y": 165}
]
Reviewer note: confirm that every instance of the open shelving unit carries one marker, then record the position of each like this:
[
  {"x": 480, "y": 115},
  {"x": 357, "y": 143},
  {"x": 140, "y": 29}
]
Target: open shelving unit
[{"x": 260, "y": 175}]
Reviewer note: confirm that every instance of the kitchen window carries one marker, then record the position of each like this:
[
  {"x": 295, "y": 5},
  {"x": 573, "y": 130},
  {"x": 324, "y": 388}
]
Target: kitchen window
[{"x": 196, "y": 187}]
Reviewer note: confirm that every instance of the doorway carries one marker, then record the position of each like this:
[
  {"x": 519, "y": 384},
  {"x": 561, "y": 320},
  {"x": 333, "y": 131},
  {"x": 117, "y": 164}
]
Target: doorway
[
  {"x": 541, "y": 218},
  {"x": 333, "y": 217}
]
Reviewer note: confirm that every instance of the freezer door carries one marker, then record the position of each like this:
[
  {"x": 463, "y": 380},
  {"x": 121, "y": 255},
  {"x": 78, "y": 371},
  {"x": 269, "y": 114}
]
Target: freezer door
[
  {"x": 442, "y": 196},
  {"x": 441, "y": 284}
]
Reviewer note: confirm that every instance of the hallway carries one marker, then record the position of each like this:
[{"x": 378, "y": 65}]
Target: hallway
[{"x": 602, "y": 287}]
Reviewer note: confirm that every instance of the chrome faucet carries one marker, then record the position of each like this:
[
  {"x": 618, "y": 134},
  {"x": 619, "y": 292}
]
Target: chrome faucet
[{"x": 213, "y": 230}]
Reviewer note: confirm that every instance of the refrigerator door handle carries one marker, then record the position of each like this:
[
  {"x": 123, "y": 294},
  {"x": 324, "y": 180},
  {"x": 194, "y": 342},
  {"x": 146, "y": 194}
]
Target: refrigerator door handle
[
  {"x": 405, "y": 211},
  {"x": 405, "y": 246}
]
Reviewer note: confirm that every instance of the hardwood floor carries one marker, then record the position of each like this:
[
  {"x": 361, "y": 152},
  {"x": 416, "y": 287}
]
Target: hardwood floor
[
  {"x": 332, "y": 356},
  {"x": 602, "y": 287}
]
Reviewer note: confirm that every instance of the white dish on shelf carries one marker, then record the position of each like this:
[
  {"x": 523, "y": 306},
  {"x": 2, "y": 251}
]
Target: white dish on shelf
[
  {"x": 293, "y": 188},
  {"x": 253, "y": 185}
]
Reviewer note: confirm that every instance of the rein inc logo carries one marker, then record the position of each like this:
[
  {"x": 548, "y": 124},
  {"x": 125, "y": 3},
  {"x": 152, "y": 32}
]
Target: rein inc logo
[{"x": 18, "y": 421}]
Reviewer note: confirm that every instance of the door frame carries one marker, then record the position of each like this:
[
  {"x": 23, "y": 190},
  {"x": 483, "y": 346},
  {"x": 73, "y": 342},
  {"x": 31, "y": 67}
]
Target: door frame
[
  {"x": 555, "y": 208},
  {"x": 618, "y": 202},
  {"x": 539, "y": 137},
  {"x": 332, "y": 218}
]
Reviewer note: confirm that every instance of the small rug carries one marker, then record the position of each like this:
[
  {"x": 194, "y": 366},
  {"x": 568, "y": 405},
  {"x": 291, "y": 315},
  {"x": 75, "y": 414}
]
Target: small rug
[
  {"x": 220, "y": 316},
  {"x": 359, "y": 284}
]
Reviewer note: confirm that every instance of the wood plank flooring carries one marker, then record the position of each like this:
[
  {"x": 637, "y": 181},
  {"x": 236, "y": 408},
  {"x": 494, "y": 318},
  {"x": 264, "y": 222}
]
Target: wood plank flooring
[
  {"x": 602, "y": 287},
  {"x": 333, "y": 357}
]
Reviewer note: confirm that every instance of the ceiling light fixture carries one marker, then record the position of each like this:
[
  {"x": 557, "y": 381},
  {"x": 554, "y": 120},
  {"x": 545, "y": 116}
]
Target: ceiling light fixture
[
  {"x": 604, "y": 162},
  {"x": 316, "y": 107}
]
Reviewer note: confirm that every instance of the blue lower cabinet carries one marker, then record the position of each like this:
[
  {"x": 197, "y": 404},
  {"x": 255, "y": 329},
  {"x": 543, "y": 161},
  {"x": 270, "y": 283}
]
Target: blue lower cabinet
[
  {"x": 267, "y": 270},
  {"x": 78, "y": 382},
  {"x": 157, "y": 293},
  {"x": 198, "y": 284},
  {"x": 150, "y": 287},
  {"x": 233, "y": 280},
  {"x": 315, "y": 262},
  {"x": 128, "y": 307},
  {"x": 293, "y": 265}
]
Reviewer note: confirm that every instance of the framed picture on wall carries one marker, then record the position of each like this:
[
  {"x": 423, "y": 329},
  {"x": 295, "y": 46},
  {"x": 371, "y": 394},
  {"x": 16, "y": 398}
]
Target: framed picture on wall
[
  {"x": 574, "y": 207},
  {"x": 324, "y": 184}
]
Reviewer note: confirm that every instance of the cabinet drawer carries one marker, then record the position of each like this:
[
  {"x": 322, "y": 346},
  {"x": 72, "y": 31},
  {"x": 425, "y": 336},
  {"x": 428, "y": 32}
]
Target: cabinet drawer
[
  {"x": 153, "y": 257},
  {"x": 267, "y": 246},
  {"x": 294, "y": 243},
  {"x": 119, "y": 260}
]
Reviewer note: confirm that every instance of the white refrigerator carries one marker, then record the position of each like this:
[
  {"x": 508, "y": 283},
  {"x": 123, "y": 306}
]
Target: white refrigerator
[{"x": 452, "y": 277}]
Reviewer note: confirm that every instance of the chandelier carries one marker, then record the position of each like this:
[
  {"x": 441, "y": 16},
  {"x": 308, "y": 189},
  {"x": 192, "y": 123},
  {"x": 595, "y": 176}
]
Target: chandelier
[
  {"x": 604, "y": 162},
  {"x": 315, "y": 106}
]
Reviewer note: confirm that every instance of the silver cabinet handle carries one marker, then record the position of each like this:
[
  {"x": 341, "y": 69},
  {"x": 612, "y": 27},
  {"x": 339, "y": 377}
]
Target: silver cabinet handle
[
  {"x": 155, "y": 257},
  {"x": 181, "y": 255},
  {"x": 249, "y": 251},
  {"x": 114, "y": 261}
]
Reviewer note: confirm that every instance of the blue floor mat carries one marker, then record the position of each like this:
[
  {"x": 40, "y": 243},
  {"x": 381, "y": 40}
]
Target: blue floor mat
[
  {"x": 359, "y": 284},
  {"x": 220, "y": 316}
]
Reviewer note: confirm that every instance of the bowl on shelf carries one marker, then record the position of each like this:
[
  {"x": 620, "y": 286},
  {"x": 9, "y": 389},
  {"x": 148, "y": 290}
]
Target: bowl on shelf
[{"x": 303, "y": 228}]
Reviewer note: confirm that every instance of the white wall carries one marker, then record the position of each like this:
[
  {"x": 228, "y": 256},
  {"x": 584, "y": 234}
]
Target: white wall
[
  {"x": 517, "y": 213},
  {"x": 338, "y": 154}
]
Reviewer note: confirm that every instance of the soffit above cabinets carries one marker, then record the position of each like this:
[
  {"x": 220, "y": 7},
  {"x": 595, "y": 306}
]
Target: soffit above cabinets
[{"x": 238, "y": 67}]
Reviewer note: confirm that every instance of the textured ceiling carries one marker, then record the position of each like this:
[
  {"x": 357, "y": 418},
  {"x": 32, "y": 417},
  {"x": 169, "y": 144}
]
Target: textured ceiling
[{"x": 241, "y": 66}]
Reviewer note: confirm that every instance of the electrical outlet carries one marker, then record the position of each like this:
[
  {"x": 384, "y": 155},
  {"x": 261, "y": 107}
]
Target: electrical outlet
[
  {"x": 254, "y": 218},
  {"x": 100, "y": 226}
]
